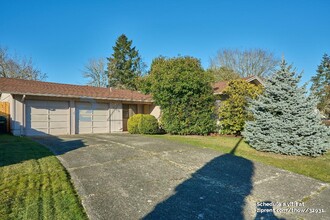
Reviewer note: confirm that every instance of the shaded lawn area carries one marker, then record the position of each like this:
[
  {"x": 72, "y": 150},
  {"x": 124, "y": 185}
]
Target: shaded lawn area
[
  {"x": 34, "y": 184},
  {"x": 318, "y": 168}
]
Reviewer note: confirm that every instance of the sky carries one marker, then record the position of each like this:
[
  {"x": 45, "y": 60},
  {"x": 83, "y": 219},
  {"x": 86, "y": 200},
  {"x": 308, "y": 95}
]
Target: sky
[{"x": 61, "y": 36}]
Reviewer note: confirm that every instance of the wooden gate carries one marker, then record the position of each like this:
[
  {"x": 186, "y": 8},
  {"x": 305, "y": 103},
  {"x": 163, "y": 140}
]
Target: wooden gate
[{"x": 5, "y": 111}]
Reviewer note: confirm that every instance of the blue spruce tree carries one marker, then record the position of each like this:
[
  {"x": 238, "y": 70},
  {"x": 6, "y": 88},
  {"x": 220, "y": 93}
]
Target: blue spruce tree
[{"x": 285, "y": 118}]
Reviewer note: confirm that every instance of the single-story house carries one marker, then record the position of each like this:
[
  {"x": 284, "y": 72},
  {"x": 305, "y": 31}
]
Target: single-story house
[
  {"x": 41, "y": 108},
  {"x": 44, "y": 108}
]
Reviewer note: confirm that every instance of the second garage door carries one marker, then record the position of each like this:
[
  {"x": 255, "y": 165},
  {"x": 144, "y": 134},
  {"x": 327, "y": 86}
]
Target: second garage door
[{"x": 92, "y": 118}]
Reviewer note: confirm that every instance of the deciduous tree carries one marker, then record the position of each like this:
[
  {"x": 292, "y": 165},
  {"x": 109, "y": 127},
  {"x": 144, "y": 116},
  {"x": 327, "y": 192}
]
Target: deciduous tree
[
  {"x": 16, "y": 67},
  {"x": 95, "y": 73},
  {"x": 257, "y": 62},
  {"x": 223, "y": 73}
]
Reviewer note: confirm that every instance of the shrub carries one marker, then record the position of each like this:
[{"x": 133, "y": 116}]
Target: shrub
[
  {"x": 148, "y": 125},
  {"x": 142, "y": 124},
  {"x": 232, "y": 111},
  {"x": 133, "y": 124}
]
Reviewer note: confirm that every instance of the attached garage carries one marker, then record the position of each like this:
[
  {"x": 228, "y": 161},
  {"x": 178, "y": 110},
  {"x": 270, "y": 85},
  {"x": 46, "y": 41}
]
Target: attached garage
[
  {"x": 43, "y": 108},
  {"x": 92, "y": 118},
  {"x": 47, "y": 117}
]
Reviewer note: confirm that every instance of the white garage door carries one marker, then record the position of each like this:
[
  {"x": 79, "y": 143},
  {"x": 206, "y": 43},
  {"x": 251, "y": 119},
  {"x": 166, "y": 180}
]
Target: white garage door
[
  {"x": 47, "y": 117},
  {"x": 92, "y": 118}
]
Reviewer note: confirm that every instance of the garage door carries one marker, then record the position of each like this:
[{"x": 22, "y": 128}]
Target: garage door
[
  {"x": 92, "y": 118},
  {"x": 47, "y": 117}
]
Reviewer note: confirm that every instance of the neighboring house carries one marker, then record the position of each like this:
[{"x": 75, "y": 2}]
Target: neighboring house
[
  {"x": 40, "y": 108},
  {"x": 44, "y": 108},
  {"x": 219, "y": 87}
]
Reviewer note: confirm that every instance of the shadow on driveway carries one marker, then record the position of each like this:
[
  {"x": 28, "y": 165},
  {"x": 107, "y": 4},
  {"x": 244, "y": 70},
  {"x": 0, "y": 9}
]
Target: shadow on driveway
[{"x": 216, "y": 191}]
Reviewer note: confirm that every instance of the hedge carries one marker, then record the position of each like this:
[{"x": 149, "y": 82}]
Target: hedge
[{"x": 142, "y": 124}]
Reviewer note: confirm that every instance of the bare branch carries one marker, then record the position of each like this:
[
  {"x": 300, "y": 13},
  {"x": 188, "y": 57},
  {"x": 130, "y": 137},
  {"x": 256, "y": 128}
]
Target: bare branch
[
  {"x": 257, "y": 62},
  {"x": 95, "y": 72}
]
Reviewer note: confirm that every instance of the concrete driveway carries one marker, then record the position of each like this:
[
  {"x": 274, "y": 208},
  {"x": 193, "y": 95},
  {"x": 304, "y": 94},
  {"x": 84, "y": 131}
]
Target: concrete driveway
[{"x": 122, "y": 176}]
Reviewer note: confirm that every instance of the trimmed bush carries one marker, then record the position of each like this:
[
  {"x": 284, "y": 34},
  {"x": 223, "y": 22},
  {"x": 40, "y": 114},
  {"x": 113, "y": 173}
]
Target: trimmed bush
[
  {"x": 142, "y": 124},
  {"x": 133, "y": 124},
  {"x": 148, "y": 125}
]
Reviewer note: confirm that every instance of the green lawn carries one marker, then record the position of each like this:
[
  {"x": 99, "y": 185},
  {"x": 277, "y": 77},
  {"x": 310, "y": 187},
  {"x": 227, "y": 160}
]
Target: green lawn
[
  {"x": 34, "y": 184},
  {"x": 318, "y": 168}
]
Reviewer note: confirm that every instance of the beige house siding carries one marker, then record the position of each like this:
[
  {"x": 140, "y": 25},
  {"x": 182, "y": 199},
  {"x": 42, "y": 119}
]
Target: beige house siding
[
  {"x": 155, "y": 111},
  {"x": 114, "y": 116}
]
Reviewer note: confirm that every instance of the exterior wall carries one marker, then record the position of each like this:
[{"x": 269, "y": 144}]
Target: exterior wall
[
  {"x": 18, "y": 111},
  {"x": 116, "y": 117},
  {"x": 17, "y": 115},
  {"x": 155, "y": 111},
  {"x": 6, "y": 97}
]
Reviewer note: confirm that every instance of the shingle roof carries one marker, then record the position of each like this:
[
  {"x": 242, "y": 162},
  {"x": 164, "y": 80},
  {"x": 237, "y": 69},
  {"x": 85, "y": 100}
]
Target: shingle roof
[
  {"x": 218, "y": 87},
  {"x": 29, "y": 87}
]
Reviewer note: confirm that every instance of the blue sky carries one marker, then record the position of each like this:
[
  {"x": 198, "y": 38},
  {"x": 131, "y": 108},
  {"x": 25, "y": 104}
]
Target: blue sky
[{"x": 61, "y": 36}]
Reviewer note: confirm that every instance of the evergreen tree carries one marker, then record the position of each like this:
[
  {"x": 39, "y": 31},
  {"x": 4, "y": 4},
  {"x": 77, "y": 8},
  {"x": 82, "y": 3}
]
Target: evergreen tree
[
  {"x": 125, "y": 65},
  {"x": 320, "y": 84},
  {"x": 285, "y": 118},
  {"x": 183, "y": 90}
]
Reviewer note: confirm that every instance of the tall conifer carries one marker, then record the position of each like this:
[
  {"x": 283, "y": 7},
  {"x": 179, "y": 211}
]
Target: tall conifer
[
  {"x": 285, "y": 118},
  {"x": 125, "y": 65}
]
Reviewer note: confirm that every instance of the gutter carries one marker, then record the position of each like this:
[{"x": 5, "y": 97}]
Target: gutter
[{"x": 79, "y": 97}]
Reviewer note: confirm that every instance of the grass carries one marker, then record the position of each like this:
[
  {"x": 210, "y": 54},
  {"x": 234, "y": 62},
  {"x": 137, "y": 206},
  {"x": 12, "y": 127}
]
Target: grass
[
  {"x": 318, "y": 168},
  {"x": 34, "y": 184}
]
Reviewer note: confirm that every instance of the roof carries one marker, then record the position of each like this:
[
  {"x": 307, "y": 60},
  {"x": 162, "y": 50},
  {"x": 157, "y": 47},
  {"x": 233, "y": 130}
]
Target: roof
[
  {"x": 218, "y": 87},
  {"x": 30, "y": 87}
]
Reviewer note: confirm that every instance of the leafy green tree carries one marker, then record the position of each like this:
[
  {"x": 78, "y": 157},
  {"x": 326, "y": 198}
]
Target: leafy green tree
[
  {"x": 232, "y": 111},
  {"x": 285, "y": 120},
  {"x": 320, "y": 83},
  {"x": 125, "y": 65},
  {"x": 183, "y": 90}
]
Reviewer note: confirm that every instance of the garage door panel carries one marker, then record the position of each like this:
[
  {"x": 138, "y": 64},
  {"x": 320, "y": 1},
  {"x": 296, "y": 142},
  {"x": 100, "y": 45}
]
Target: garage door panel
[
  {"x": 47, "y": 117},
  {"x": 99, "y": 124},
  {"x": 58, "y": 118},
  {"x": 37, "y": 111},
  {"x": 92, "y": 118},
  {"x": 103, "y": 118},
  {"x": 61, "y": 124},
  {"x": 83, "y": 130},
  {"x": 39, "y": 118},
  {"x": 85, "y": 124},
  {"x": 57, "y": 131},
  {"x": 98, "y": 130},
  {"x": 38, "y": 124}
]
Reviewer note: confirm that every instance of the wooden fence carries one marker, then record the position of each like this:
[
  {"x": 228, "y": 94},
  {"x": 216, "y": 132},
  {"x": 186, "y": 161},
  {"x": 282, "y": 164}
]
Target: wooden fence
[{"x": 5, "y": 111}]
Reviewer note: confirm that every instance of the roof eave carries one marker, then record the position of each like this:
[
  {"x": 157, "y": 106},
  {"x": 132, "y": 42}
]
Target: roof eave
[{"x": 81, "y": 97}]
